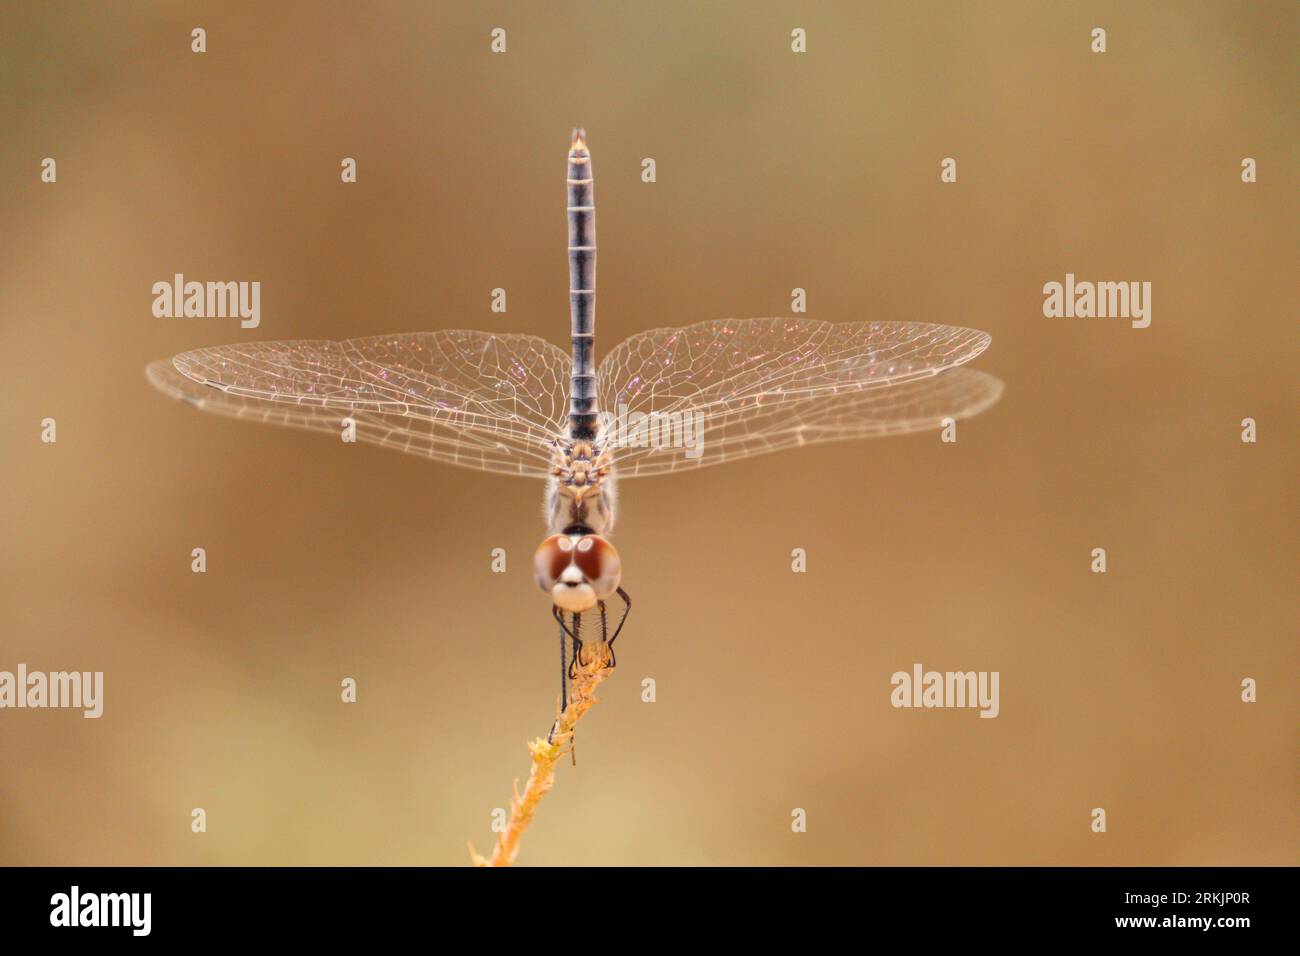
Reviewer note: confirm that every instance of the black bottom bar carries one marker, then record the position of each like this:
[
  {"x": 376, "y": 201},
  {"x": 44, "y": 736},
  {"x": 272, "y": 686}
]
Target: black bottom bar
[{"x": 1172, "y": 906}]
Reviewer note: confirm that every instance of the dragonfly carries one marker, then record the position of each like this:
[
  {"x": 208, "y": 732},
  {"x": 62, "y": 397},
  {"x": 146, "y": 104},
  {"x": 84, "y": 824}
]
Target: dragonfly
[{"x": 664, "y": 401}]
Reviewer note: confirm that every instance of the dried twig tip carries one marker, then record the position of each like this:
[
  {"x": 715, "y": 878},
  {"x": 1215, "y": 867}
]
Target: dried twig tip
[{"x": 545, "y": 753}]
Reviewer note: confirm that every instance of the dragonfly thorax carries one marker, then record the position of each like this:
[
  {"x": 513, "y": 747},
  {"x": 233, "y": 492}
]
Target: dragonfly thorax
[{"x": 580, "y": 494}]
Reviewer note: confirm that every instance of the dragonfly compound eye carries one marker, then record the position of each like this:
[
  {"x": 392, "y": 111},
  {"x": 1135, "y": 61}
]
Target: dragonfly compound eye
[
  {"x": 599, "y": 563},
  {"x": 552, "y": 557}
]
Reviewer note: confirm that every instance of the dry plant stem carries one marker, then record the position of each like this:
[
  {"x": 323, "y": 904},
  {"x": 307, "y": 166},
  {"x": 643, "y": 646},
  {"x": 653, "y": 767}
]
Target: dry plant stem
[{"x": 546, "y": 754}]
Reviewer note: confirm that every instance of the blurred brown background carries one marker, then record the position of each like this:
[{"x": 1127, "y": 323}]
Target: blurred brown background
[{"x": 775, "y": 170}]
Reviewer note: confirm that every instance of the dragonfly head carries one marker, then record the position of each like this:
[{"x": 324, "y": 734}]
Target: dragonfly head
[{"x": 577, "y": 570}]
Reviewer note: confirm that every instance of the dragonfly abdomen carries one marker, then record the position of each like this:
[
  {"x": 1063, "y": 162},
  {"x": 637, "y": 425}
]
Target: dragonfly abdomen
[{"x": 582, "y": 289}]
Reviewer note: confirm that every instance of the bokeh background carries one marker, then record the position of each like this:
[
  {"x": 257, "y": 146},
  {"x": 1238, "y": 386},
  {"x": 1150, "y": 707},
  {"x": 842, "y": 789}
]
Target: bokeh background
[{"x": 775, "y": 170}]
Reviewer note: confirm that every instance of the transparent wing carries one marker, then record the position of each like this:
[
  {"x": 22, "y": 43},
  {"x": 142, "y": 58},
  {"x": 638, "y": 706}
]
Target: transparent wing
[
  {"x": 489, "y": 402},
  {"x": 760, "y": 385}
]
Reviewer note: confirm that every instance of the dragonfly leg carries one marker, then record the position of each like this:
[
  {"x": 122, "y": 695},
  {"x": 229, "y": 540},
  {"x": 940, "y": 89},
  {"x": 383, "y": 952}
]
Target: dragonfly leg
[
  {"x": 627, "y": 602},
  {"x": 577, "y": 645},
  {"x": 604, "y": 632},
  {"x": 564, "y": 676},
  {"x": 559, "y": 616},
  {"x": 564, "y": 672}
]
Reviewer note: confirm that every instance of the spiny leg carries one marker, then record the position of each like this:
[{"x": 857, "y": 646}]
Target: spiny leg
[
  {"x": 577, "y": 641},
  {"x": 564, "y": 673},
  {"x": 577, "y": 645},
  {"x": 577, "y": 662},
  {"x": 627, "y": 601},
  {"x": 604, "y": 625},
  {"x": 559, "y": 616},
  {"x": 564, "y": 676}
]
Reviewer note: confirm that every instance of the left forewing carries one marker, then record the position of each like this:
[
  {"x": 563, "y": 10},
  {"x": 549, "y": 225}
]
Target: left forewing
[{"x": 489, "y": 402}]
